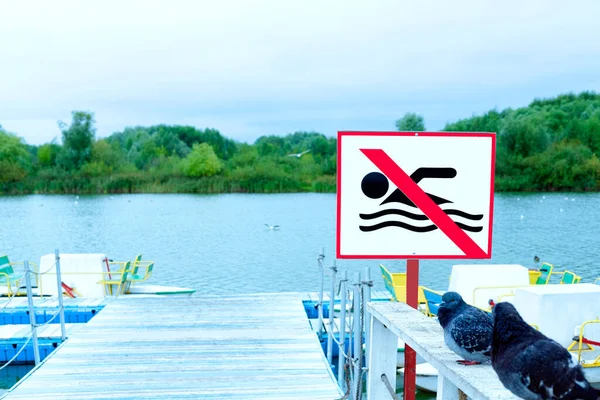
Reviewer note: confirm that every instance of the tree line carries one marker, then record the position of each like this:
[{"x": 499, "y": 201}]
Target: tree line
[
  {"x": 165, "y": 159},
  {"x": 552, "y": 144}
]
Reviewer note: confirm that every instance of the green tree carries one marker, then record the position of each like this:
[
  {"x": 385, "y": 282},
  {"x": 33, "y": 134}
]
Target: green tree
[
  {"x": 166, "y": 138},
  {"x": 525, "y": 136},
  {"x": 14, "y": 158},
  {"x": 77, "y": 139},
  {"x": 108, "y": 153},
  {"x": 552, "y": 144},
  {"x": 47, "y": 154},
  {"x": 202, "y": 161},
  {"x": 12, "y": 148},
  {"x": 246, "y": 155},
  {"x": 410, "y": 122},
  {"x": 271, "y": 146}
]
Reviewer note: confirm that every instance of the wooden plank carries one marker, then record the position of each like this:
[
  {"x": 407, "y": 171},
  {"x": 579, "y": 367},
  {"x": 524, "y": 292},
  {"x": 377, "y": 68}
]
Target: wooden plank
[
  {"x": 22, "y": 331},
  {"x": 197, "y": 347},
  {"x": 50, "y": 302},
  {"x": 93, "y": 302},
  {"x": 378, "y": 295},
  {"x": 53, "y": 303},
  {"x": 426, "y": 336},
  {"x": 10, "y": 331}
]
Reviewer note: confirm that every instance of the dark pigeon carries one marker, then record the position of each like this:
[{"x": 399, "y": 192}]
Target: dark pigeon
[
  {"x": 531, "y": 365},
  {"x": 467, "y": 329}
]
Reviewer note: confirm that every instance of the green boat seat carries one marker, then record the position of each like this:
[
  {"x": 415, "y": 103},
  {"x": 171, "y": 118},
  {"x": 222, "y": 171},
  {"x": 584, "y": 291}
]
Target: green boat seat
[
  {"x": 6, "y": 270},
  {"x": 546, "y": 272},
  {"x": 136, "y": 265},
  {"x": 569, "y": 278},
  {"x": 138, "y": 277},
  {"x": 118, "y": 279},
  {"x": 6, "y": 273}
]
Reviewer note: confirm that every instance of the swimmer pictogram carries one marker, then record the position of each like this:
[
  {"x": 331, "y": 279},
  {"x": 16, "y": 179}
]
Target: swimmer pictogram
[
  {"x": 411, "y": 194},
  {"x": 375, "y": 185}
]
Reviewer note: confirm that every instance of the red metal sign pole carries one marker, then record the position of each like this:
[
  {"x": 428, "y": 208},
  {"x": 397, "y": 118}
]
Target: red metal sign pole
[{"x": 410, "y": 357}]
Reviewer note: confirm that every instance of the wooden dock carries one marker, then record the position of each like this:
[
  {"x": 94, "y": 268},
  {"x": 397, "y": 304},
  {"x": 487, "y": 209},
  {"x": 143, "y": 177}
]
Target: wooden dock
[{"x": 200, "y": 347}]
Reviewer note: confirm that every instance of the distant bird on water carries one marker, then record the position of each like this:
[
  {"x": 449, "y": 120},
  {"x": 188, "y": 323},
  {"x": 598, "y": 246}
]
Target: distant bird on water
[
  {"x": 467, "y": 329},
  {"x": 531, "y": 365},
  {"x": 298, "y": 155},
  {"x": 272, "y": 227}
]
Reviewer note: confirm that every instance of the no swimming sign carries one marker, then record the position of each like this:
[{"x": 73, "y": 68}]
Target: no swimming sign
[{"x": 415, "y": 194}]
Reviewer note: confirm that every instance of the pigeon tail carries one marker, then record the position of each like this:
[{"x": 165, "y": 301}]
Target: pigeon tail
[{"x": 531, "y": 365}]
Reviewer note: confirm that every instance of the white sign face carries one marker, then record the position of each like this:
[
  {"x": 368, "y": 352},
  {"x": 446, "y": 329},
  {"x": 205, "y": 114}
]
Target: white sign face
[{"x": 415, "y": 195}]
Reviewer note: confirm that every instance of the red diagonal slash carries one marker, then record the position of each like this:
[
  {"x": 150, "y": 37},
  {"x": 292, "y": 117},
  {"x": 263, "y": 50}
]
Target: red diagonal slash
[{"x": 424, "y": 202}]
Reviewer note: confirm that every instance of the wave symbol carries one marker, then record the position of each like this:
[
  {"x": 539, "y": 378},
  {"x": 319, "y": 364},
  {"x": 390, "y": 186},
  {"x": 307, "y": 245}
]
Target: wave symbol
[{"x": 418, "y": 217}]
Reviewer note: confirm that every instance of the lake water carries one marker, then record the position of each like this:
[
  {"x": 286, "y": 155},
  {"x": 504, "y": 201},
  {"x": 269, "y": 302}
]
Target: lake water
[{"x": 218, "y": 244}]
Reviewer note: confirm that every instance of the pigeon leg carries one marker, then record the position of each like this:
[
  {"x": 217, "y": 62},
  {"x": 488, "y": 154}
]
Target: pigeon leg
[{"x": 466, "y": 362}]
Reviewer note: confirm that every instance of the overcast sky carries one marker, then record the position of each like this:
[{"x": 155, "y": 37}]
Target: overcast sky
[{"x": 250, "y": 68}]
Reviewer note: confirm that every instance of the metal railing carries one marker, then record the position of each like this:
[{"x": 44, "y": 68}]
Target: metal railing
[
  {"x": 27, "y": 272},
  {"x": 354, "y": 326},
  {"x": 579, "y": 340}
]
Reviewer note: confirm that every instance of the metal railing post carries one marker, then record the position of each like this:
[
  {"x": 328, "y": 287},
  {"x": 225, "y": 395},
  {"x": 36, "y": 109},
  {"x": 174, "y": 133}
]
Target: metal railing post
[
  {"x": 36, "y": 350},
  {"x": 320, "y": 305},
  {"x": 350, "y": 318},
  {"x": 342, "y": 330},
  {"x": 368, "y": 283},
  {"x": 63, "y": 332},
  {"x": 331, "y": 322},
  {"x": 357, "y": 337}
]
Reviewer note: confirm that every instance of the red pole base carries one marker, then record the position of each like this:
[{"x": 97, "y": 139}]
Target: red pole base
[{"x": 410, "y": 356}]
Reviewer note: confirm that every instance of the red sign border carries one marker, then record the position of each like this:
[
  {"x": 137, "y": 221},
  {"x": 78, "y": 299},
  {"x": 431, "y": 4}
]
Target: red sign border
[{"x": 340, "y": 136}]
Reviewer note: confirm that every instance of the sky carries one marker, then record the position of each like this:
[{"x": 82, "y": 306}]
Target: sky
[{"x": 273, "y": 67}]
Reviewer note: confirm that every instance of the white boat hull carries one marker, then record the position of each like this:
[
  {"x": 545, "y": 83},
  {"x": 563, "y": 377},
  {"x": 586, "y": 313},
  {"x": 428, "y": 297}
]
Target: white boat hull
[
  {"x": 89, "y": 275},
  {"x": 427, "y": 377},
  {"x": 158, "y": 290},
  {"x": 400, "y": 356}
]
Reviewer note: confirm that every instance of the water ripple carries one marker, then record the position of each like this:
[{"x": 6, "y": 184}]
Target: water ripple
[{"x": 218, "y": 244}]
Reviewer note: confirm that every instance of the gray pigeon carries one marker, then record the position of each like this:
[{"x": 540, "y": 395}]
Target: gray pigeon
[
  {"x": 467, "y": 329},
  {"x": 531, "y": 365}
]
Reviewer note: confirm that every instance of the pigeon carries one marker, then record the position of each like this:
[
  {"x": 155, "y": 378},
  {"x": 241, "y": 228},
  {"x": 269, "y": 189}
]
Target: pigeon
[
  {"x": 531, "y": 365},
  {"x": 467, "y": 329}
]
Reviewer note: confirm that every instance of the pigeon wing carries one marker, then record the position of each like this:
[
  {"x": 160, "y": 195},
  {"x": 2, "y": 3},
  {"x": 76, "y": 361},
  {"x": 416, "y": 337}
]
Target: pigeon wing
[
  {"x": 547, "y": 369},
  {"x": 472, "y": 331}
]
